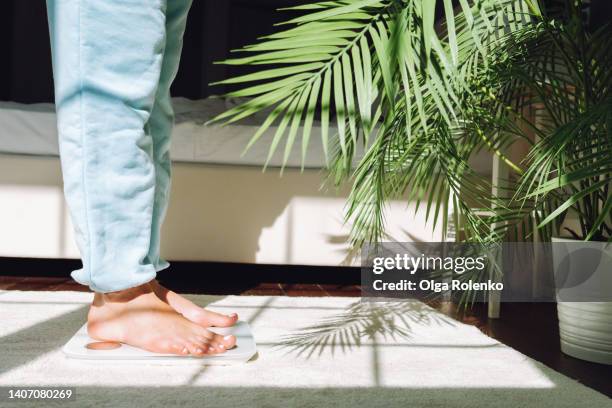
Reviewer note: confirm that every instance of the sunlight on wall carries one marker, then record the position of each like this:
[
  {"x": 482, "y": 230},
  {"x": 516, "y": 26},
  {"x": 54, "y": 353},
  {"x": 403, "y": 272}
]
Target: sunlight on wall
[
  {"x": 312, "y": 231},
  {"x": 33, "y": 222}
]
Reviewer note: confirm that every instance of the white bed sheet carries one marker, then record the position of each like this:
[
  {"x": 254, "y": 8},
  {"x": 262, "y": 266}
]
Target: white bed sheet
[{"x": 31, "y": 129}]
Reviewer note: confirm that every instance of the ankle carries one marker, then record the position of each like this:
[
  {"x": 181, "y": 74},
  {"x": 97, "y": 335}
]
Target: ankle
[{"x": 126, "y": 295}]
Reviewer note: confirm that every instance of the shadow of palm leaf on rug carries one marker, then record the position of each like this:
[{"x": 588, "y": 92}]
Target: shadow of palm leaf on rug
[{"x": 362, "y": 321}]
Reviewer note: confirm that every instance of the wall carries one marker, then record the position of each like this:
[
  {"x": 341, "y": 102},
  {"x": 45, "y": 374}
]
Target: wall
[{"x": 217, "y": 213}]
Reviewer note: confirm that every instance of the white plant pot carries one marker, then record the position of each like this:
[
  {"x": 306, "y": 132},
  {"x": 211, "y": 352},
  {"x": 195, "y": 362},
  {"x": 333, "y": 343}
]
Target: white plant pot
[{"x": 585, "y": 327}]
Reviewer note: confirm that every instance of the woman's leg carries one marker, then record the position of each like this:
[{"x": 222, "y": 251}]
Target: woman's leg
[
  {"x": 160, "y": 126},
  {"x": 107, "y": 58},
  {"x": 162, "y": 119}
]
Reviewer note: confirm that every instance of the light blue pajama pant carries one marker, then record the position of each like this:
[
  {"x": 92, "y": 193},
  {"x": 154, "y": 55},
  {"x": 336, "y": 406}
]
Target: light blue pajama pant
[{"x": 113, "y": 64}]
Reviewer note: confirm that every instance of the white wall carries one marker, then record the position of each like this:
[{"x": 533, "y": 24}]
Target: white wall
[{"x": 217, "y": 213}]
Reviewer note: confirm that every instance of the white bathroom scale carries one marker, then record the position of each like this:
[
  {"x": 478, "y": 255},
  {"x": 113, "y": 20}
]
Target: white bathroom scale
[{"x": 243, "y": 351}]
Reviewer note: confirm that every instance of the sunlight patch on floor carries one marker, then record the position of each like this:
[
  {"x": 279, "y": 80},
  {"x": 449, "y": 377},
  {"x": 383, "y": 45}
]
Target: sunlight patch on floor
[{"x": 26, "y": 312}]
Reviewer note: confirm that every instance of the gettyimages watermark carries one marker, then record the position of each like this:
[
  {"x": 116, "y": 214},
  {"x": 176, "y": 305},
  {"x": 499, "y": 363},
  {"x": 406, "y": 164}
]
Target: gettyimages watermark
[{"x": 514, "y": 271}]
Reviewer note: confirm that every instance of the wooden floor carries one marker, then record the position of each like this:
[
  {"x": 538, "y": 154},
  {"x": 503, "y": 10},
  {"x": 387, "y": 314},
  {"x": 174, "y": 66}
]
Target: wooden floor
[{"x": 527, "y": 327}]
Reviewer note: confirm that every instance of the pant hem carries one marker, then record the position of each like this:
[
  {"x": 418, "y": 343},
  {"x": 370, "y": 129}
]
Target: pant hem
[{"x": 146, "y": 278}]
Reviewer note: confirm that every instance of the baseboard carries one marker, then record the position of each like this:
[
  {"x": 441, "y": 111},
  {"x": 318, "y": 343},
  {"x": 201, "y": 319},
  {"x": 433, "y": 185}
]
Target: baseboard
[{"x": 191, "y": 275}]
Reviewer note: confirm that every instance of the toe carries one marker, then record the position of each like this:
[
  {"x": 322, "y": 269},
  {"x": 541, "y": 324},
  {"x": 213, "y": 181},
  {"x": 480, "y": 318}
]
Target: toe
[
  {"x": 203, "y": 344},
  {"x": 216, "y": 348},
  {"x": 208, "y": 318},
  {"x": 195, "y": 349},
  {"x": 180, "y": 349},
  {"x": 168, "y": 347},
  {"x": 218, "y": 343},
  {"x": 224, "y": 342},
  {"x": 195, "y": 313},
  {"x": 221, "y": 320}
]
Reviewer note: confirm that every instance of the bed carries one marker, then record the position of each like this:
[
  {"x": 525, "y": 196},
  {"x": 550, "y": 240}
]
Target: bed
[{"x": 29, "y": 129}]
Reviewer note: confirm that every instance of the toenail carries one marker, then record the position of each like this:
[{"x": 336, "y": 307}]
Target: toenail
[
  {"x": 221, "y": 346},
  {"x": 233, "y": 315},
  {"x": 227, "y": 338},
  {"x": 199, "y": 351}
]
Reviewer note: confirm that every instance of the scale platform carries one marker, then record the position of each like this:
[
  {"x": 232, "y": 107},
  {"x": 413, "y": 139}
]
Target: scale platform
[{"x": 245, "y": 349}]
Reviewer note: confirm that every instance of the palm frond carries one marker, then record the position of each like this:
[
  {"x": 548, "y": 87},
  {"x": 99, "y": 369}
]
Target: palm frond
[{"x": 421, "y": 99}]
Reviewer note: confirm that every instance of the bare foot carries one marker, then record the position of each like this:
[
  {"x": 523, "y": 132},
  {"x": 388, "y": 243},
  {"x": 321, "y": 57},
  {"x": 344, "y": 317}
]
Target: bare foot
[
  {"x": 190, "y": 310},
  {"x": 138, "y": 317}
]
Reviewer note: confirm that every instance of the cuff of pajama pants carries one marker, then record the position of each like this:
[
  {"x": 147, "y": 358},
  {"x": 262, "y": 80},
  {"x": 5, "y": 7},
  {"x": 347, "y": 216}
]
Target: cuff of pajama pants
[
  {"x": 161, "y": 265},
  {"x": 84, "y": 278}
]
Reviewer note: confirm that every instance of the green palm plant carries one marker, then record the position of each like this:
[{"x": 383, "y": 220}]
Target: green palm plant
[
  {"x": 564, "y": 70},
  {"x": 422, "y": 98}
]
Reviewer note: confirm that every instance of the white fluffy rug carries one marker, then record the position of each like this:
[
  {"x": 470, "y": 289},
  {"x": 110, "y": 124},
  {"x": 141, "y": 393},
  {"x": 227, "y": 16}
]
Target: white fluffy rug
[{"x": 313, "y": 352}]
